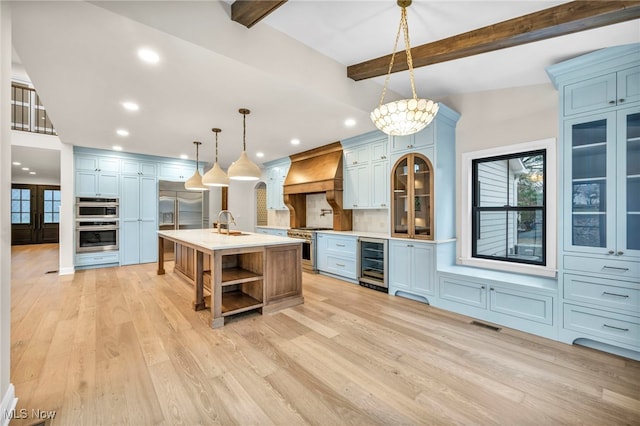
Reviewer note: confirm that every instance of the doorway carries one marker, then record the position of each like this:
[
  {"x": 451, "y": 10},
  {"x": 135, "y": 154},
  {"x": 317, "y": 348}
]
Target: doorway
[{"x": 35, "y": 214}]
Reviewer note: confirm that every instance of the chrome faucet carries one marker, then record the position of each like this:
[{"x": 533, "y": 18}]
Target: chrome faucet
[{"x": 230, "y": 220}]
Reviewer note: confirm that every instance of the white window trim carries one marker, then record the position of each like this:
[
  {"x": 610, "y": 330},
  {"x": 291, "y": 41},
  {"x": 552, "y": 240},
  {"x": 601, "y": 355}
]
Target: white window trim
[{"x": 551, "y": 202}]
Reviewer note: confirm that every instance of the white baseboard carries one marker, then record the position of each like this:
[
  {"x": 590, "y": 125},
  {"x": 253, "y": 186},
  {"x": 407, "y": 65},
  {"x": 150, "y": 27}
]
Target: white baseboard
[
  {"x": 7, "y": 406},
  {"x": 66, "y": 271}
]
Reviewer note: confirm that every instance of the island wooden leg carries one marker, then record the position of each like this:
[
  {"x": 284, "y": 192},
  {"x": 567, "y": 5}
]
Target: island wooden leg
[
  {"x": 160, "y": 256},
  {"x": 217, "y": 320},
  {"x": 198, "y": 302}
]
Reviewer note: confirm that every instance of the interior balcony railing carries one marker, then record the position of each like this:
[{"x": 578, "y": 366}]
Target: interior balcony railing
[{"x": 27, "y": 112}]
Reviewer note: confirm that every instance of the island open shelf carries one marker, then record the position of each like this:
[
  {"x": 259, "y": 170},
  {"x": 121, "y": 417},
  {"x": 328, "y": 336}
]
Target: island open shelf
[{"x": 253, "y": 272}]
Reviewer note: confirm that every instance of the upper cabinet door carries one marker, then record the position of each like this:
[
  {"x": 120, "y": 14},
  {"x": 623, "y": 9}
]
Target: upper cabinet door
[
  {"x": 411, "y": 198},
  {"x": 589, "y": 184},
  {"x": 629, "y": 86},
  {"x": 590, "y": 95},
  {"x": 628, "y": 172}
]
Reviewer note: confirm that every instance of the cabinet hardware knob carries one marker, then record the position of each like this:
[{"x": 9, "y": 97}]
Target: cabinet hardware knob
[
  {"x": 409, "y": 245},
  {"x": 612, "y": 102},
  {"x": 408, "y": 146},
  {"x": 615, "y": 328},
  {"x": 355, "y": 162},
  {"x": 620, "y": 253},
  {"x": 492, "y": 289},
  {"x": 611, "y": 252},
  {"x": 621, "y": 100},
  {"x": 615, "y": 294},
  {"x": 482, "y": 287}
]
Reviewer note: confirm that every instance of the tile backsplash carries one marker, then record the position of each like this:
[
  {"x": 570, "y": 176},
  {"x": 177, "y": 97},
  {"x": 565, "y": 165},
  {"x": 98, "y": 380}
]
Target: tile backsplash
[{"x": 363, "y": 220}]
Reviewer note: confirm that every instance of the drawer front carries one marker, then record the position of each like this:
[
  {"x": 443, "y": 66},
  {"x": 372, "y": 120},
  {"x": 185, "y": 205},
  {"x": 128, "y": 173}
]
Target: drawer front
[
  {"x": 529, "y": 306},
  {"x": 86, "y": 259},
  {"x": 341, "y": 266},
  {"x": 338, "y": 245},
  {"x": 460, "y": 291},
  {"x": 620, "y": 328},
  {"x": 605, "y": 292},
  {"x": 619, "y": 268}
]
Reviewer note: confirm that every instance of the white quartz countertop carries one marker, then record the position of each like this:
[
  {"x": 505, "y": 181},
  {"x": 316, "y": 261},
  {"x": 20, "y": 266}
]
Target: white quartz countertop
[
  {"x": 210, "y": 239},
  {"x": 358, "y": 234}
]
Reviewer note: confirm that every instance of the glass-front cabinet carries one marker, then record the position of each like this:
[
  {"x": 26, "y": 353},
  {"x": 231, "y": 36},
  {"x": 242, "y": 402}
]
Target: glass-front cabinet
[
  {"x": 411, "y": 194},
  {"x": 602, "y": 183}
]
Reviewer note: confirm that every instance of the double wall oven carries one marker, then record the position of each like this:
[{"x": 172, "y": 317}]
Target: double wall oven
[
  {"x": 97, "y": 224},
  {"x": 308, "y": 246}
]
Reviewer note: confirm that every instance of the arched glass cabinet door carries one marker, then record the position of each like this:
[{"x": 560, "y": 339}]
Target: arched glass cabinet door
[{"x": 412, "y": 193}]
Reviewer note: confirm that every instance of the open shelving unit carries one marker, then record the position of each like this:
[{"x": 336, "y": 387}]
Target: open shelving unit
[{"x": 242, "y": 282}]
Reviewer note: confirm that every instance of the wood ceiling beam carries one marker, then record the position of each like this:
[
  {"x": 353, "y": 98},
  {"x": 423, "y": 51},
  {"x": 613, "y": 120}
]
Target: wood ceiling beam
[
  {"x": 249, "y": 13},
  {"x": 556, "y": 21}
]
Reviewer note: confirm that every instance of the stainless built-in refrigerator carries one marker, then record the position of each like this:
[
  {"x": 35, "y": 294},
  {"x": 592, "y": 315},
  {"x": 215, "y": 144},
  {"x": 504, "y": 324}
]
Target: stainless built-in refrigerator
[{"x": 179, "y": 208}]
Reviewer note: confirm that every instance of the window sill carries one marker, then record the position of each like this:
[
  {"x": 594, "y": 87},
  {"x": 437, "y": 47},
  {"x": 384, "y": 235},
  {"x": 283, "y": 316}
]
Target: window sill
[{"x": 540, "y": 271}]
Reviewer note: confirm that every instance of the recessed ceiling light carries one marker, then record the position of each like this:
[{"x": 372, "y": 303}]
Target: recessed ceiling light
[
  {"x": 32, "y": 173},
  {"x": 25, "y": 169},
  {"x": 131, "y": 106},
  {"x": 117, "y": 148},
  {"x": 148, "y": 55},
  {"x": 16, "y": 163},
  {"x": 295, "y": 141},
  {"x": 122, "y": 132},
  {"x": 259, "y": 154},
  {"x": 349, "y": 122},
  {"x": 184, "y": 156}
]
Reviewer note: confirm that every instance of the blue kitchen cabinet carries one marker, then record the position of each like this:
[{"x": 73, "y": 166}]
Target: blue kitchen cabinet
[
  {"x": 138, "y": 220},
  {"x": 606, "y": 91},
  {"x": 365, "y": 169},
  {"x": 414, "y": 142},
  {"x": 140, "y": 168},
  {"x": 336, "y": 255},
  {"x": 279, "y": 232},
  {"x": 177, "y": 172},
  {"x": 274, "y": 175},
  {"x": 600, "y": 211},
  {"x": 97, "y": 176},
  {"x": 411, "y": 269}
]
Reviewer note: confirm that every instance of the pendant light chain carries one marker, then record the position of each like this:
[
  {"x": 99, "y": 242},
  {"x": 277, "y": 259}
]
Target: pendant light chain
[
  {"x": 405, "y": 30},
  {"x": 244, "y": 131},
  {"x": 216, "y": 147}
]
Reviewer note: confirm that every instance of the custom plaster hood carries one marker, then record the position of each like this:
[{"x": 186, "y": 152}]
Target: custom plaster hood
[{"x": 311, "y": 172}]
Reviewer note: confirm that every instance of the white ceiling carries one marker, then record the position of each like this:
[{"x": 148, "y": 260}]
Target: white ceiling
[{"x": 289, "y": 69}]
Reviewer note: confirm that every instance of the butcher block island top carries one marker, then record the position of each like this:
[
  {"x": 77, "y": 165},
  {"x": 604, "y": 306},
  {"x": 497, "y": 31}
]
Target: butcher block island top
[{"x": 248, "y": 271}]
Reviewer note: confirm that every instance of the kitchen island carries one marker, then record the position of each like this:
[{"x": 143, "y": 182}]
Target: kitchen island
[{"x": 248, "y": 271}]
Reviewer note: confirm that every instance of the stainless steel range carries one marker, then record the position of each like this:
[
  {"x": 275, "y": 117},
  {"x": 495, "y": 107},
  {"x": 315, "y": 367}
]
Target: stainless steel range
[{"x": 308, "y": 246}]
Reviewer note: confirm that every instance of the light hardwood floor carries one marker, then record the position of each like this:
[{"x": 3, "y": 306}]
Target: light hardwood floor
[{"x": 123, "y": 346}]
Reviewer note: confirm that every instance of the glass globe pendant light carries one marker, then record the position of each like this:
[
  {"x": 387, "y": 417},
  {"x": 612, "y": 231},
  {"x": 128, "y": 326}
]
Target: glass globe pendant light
[
  {"x": 194, "y": 183},
  {"x": 243, "y": 168},
  {"x": 216, "y": 176},
  {"x": 406, "y": 116}
]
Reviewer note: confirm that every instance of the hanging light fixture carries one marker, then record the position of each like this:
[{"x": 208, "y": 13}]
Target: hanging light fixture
[
  {"x": 216, "y": 176},
  {"x": 194, "y": 183},
  {"x": 243, "y": 168},
  {"x": 406, "y": 116}
]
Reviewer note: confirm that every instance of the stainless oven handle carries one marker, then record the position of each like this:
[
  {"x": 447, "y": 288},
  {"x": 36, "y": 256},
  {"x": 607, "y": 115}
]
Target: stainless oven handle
[{"x": 98, "y": 228}]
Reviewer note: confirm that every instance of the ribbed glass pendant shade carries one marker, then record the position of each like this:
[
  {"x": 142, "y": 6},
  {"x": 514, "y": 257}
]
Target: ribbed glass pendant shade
[
  {"x": 216, "y": 176},
  {"x": 244, "y": 169},
  {"x": 194, "y": 183}
]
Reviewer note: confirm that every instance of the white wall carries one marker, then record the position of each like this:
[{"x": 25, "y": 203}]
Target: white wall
[
  {"x": 500, "y": 118},
  {"x": 6, "y": 389}
]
